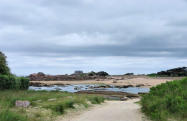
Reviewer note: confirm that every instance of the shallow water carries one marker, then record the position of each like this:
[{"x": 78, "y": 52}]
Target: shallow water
[{"x": 83, "y": 87}]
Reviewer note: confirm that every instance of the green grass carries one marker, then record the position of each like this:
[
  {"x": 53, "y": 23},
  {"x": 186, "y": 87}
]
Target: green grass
[
  {"x": 7, "y": 115},
  {"x": 166, "y": 101},
  {"x": 44, "y": 105},
  {"x": 156, "y": 75},
  {"x": 152, "y": 75}
]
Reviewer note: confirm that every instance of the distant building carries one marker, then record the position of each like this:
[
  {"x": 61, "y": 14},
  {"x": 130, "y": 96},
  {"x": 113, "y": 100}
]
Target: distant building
[{"x": 78, "y": 72}]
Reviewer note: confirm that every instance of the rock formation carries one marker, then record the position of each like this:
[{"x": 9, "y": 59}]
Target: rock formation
[
  {"x": 43, "y": 77},
  {"x": 176, "y": 72}
]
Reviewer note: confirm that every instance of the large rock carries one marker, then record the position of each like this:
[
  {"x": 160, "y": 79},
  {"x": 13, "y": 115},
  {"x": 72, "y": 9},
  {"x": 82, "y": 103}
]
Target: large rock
[
  {"x": 176, "y": 72},
  {"x": 111, "y": 93},
  {"x": 124, "y": 99},
  {"x": 24, "y": 104}
]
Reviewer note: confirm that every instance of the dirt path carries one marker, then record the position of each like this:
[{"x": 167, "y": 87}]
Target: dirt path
[{"x": 111, "y": 111}]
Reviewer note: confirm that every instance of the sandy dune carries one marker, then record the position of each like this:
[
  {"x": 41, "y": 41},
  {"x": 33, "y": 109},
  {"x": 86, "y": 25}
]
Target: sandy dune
[{"x": 111, "y": 111}]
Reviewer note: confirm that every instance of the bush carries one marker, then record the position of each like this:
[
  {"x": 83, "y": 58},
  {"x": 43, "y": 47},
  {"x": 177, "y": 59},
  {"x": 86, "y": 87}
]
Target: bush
[
  {"x": 24, "y": 82},
  {"x": 102, "y": 73},
  {"x": 7, "y": 82},
  {"x": 92, "y": 73},
  {"x": 166, "y": 101},
  {"x": 13, "y": 82}
]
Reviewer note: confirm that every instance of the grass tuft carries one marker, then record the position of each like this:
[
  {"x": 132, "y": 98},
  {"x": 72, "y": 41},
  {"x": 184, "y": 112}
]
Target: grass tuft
[
  {"x": 7, "y": 115},
  {"x": 96, "y": 100}
]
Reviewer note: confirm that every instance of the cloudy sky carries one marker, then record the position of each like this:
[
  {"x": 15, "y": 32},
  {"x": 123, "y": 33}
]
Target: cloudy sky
[{"x": 117, "y": 36}]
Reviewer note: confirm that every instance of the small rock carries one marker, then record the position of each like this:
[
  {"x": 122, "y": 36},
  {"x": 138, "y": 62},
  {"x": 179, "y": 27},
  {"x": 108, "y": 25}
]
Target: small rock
[
  {"x": 24, "y": 104},
  {"x": 142, "y": 93},
  {"x": 124, "y": 98},
  {"x": 140, "y": 85},
  {"x": 126, "y": 86},
  {"x": 77, "y": 88}
]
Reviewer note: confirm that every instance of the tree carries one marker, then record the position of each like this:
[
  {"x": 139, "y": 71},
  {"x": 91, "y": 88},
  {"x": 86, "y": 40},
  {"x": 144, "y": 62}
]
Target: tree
[{"x": 4, "y": 69}]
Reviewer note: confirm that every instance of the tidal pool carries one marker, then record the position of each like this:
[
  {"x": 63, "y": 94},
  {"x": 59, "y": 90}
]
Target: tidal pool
[{"x": 88, "y": 87}]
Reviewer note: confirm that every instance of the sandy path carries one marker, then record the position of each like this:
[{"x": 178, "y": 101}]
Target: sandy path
[{"x": 111, "y": 111}]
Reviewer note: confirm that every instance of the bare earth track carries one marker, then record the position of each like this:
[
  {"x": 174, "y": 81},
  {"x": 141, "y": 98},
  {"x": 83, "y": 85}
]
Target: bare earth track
[{"x": 111, "y": 111}]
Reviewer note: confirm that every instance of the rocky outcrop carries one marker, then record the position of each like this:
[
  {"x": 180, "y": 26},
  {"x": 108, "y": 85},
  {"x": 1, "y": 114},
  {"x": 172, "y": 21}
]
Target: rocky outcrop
[
  {"x": 121, "y": 95},
  {"x": 176, "y": 72},
  {"x": 43, "y": 77},
  {"x": 129, "y": 74},
  {"x": 124, "y": 86}
]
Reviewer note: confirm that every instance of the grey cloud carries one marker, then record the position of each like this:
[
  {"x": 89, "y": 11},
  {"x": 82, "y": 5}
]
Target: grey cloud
[
  {"x": 179, "y": 23},
  {"x": 94, "y": 28}
]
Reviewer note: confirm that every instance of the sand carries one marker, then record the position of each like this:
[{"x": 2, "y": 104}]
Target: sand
[{"x": 117, "y": 81}]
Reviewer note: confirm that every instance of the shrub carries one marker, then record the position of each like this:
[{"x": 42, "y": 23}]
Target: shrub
[
  {"x": 102, "y": 73},
  {"x": 24, "y": 82},
  {"x": 13, "y": 82},
  {"x": 7, "y": 82},
  {"x": 92, "y": 73},
  {"x": 166, "y": 101}
]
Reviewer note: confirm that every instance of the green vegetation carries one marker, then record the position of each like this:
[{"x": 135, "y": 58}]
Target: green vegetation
[
  {"x": 166, "y": 101},
  {"x": 156, "y": 75},
  {"x": 101, "y": 73},
  {"x": 44, "y": 105},
  {"x": 4, "y": 70},
  {"x": 8, "y": 80},
  {"x": 7, "y": 115},
  {"x": 13, "y": 82},
  {"x": 153, "y": 75}
]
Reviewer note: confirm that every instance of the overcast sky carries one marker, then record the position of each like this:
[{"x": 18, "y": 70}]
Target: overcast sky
[{"x": 117, "y": 36}]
